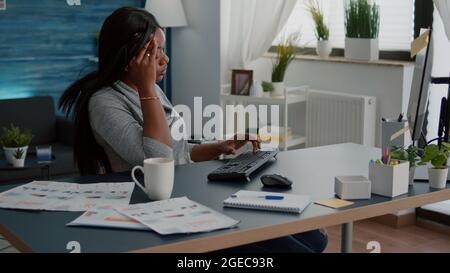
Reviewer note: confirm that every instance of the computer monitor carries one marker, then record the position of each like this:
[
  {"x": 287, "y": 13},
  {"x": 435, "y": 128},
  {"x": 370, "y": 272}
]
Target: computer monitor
[{"x": 418, "y": 99}]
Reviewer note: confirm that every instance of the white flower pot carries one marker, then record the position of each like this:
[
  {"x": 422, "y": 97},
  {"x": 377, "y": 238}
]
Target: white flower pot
[
  {"x": 323, "y": 48},
  {"x": 10, "y": 152},
  {"x": 267, "y": 94},
  {"x": 278, "y": 89},
  {"x": 437, "y": 177},
  {"x": 412, "y": 172},
  {"x": 361, "y": 49},
  {"x": 18, "y": 163}
]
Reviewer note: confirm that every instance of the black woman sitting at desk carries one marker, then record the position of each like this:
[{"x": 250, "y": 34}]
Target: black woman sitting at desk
[{"x": 122, "y": 116}]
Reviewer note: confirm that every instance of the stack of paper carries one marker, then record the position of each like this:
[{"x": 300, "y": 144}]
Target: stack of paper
[
  {"x": 106, "y": 216},
  {"x": 60, "y": 196},
  {"x": 107, "y": 205},
  {"x": 178, "y": 215}
]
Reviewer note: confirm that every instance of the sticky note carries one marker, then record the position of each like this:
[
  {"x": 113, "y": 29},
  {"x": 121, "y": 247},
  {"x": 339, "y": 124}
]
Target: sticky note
[
  {"x": 334, "y": 203},
  {"x": 420, "y": 43}
]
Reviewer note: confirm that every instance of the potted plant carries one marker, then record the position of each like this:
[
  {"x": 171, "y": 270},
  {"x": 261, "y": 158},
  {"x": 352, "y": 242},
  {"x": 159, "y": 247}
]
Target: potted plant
[
  {"x": 19, "y": 158},
  {"x": 410, "y": 154},
  {"x": 322, "y": 31},
  {"x": 362, "y": 24},
  {"x": 285, "y": 55},
  {"x": 267, "y": 88},
  {"x": 438, "y": 171},
  {"x": 15, "y": 145}
]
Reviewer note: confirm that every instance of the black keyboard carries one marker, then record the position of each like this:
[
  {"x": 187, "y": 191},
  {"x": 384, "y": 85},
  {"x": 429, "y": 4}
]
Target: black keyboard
[{"x": 242, "y": 166}]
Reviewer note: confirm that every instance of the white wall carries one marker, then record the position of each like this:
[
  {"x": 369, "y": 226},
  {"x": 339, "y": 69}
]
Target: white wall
[
  {"x": 196, "y": 54},
  {"x": 390, "y": 84}
]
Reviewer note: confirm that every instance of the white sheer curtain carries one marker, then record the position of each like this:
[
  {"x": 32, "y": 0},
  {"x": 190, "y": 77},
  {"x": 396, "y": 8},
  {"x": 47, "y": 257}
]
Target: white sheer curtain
[
  {"x": 249, "y": 27},
  {"x": 443, "y": 7}
]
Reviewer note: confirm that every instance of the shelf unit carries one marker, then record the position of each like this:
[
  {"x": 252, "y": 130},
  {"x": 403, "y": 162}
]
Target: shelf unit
[{"x": 292, "y": 96}]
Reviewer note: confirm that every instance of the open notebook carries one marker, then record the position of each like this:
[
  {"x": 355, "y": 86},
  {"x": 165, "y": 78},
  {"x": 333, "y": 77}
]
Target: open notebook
[{"x": 268, "y": 201}]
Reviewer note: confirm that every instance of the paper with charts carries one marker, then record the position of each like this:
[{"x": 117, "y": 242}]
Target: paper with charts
[
  {"x": 106, "y": 217},
  {"x": 178, "y": 215},
  {"x": 61, "y": 196}
]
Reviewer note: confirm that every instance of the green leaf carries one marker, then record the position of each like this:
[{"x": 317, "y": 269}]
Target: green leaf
[
  {"x": 399, "y": 154},
  {"x": 321, "y": 31},
  {"x": 19, "y": 153},
  {"x": 362, "y": 19},
  {"x": 14, "y": 137},
  {"x": 439, "y": 160},
  {"x": 267, "y": 86},
  {"x": 446, "y": 146},
  {"x": 285, "y": 54},
  {"x": 431, "y": 150}
]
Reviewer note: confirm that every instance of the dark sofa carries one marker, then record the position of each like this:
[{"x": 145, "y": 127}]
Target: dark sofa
[{"x": 38, "y": 115}]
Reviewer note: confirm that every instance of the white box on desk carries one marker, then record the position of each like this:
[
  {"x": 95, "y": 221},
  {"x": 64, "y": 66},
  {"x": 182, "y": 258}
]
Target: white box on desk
[
  {"x": 352, "y": 187},
  {"x": 387, "y": 180}
]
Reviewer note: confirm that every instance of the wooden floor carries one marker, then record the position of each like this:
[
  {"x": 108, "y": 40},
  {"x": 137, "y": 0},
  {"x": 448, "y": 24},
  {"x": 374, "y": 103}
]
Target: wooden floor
[{"x": 409, "y": 239}]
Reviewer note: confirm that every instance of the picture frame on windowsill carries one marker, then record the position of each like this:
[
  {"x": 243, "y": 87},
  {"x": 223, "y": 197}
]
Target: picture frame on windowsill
[{"x": 241, "y": 82}]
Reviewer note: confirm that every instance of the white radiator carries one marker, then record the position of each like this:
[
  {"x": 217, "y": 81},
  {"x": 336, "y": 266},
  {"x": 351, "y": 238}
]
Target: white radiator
[{"x": 333, "y": 118}]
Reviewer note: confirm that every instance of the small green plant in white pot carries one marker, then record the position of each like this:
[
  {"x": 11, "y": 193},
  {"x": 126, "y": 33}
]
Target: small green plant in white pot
[
  {"x": 438, "y": 171},
  {"x": 362, "y": 24},
  {"x": 267, "y": 88},
  {"x": 15, "y": 145},
  {"x": 19, "y": 158},
  {"x": 410, "y": 154},
  {"x": 285, "y": 54},
  {"x": 321, "y": 31}
]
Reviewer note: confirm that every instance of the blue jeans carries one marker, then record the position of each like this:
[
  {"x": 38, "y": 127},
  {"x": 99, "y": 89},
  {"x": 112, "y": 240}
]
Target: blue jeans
[{"x": 308, "y": 242}]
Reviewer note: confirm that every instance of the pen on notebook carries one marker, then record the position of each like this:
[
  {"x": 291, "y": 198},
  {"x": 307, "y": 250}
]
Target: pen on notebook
[{"x": 267, "y": 197}]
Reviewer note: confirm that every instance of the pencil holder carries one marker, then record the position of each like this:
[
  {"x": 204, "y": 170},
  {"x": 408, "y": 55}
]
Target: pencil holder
[{"x": 389, "y": 180}]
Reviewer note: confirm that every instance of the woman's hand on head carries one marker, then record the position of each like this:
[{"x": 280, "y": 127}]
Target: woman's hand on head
[{"x": 142, "y": 68}]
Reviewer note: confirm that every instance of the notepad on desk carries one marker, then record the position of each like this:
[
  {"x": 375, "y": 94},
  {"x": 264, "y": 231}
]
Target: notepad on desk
[{"x": 268, "y": 201}]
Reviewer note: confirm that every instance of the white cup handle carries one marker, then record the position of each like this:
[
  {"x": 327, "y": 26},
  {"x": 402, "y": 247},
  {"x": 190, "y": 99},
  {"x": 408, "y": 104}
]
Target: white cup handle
[{"x": 134, "y": 178}]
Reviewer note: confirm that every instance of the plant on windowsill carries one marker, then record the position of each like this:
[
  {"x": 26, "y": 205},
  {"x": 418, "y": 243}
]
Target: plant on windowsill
[
  {"x": 362, "y": 24},
  {"x": 410, "y": 154},
  {"x": 19, "y": 158},
  {"x": 285, "y": 54},
  {"x": 438, "y": 171},
  {"x": 321, "y": 31},
  {"x": 15, "y": 144},
  {"x": 267, "y": 88}
]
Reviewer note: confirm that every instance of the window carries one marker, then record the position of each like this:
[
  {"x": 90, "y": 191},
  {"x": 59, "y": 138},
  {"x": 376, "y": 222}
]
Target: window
[{"x": 396, "y": 24}]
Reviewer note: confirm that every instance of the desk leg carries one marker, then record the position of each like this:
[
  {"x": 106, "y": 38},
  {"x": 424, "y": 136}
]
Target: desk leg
[{"x": 346, "y": 237}]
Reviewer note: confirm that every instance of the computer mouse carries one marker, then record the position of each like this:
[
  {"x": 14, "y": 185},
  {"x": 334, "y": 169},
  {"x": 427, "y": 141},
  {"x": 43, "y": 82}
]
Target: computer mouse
[{"x": 275, "y": 180}]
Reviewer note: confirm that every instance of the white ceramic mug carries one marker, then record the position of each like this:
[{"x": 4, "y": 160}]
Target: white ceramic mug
[{"x": 158, "y": 177}]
